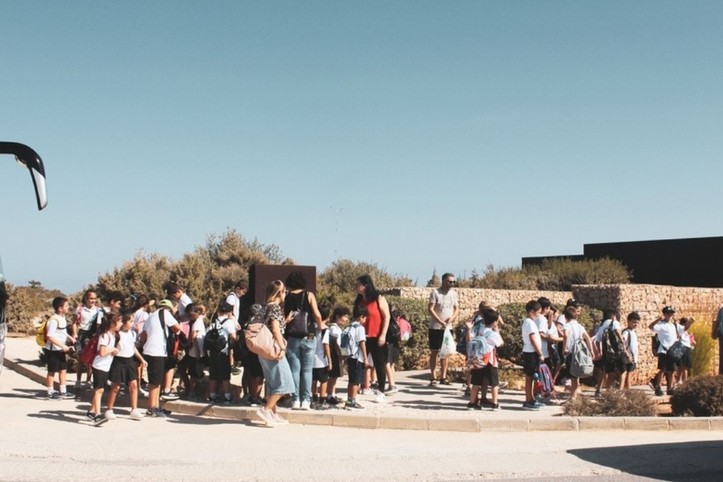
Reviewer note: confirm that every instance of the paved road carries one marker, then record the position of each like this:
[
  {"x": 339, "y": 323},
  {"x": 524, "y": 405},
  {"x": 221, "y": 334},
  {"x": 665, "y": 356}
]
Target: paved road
[{"x": 44, "y": 440}]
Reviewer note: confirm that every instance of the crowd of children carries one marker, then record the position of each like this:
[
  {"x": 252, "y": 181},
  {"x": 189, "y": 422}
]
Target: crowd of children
[{"x": 125, "y": 347}]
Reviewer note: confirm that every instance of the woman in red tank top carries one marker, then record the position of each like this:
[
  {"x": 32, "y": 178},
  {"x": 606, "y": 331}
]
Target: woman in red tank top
[{"x": 376, "y": 325}]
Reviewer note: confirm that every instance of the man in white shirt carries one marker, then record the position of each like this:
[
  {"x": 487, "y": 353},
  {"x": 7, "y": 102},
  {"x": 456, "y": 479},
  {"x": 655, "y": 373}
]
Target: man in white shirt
[
  {"x": 443, "y": 310},
  {"x": 666, "y": 332}
]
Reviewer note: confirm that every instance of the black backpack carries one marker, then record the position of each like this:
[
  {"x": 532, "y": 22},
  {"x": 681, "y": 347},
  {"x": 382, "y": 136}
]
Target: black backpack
[
  {"x": 611, "y": 346},
  {"x": 215, "y": 340},
  {"x": 394, "y": 334}
]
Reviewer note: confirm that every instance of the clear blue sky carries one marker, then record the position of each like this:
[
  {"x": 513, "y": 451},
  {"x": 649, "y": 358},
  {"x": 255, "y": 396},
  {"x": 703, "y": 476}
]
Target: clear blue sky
[{"x": 412, "y": 134}]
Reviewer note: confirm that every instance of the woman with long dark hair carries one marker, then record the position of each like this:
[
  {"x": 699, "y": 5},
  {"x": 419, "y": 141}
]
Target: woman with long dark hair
[{"x": 376, "y": 328}]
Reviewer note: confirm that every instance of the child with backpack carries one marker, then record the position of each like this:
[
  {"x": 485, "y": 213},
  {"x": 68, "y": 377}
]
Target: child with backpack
[
  {"x": 609, "y": 344},
  {"x": 532, "y": 354},
  {"x": 123, "y": 369},
  {"x": 106, "y": 350},
  {"x": 353, "y": 346},
  {"x": 196, "y": 333},
  {"x": 483, "y": 340},
  {"x": 688, "y": 341},
  {"x": 58, "y": 344},
  {"x": 630, "y": 342},
  {"x": 666, "y": 333},
  {"x": 219, "y": 362},
  {"x": 322, "y": 360},
  {"x": 574, "y": 336},
  {"x": 339, "y": 319}
]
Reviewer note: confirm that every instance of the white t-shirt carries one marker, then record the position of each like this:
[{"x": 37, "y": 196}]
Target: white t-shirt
[
  {"x": 335, "y": 333},
  {"x": 322, "y": 339},
  {"x": 357, "y": 335},
  {"x": 197, "y": 348},
  {"x": 127, "y": 344},
  {"x": 573, "y": 332},
  {"x": 631, "y": 341},
  {"x": 234, "y": 301},
  {"x": 561, "y": 320},
  {"x": 529, "y": 327},
  {"x": 139, "y": 319},
  {"x": 684, "y": 336},
  {"x": 103, "y": 363},
  {"x": 605, "y": 325},
  {"x": 543, "y": 327},
  {"x": 85, "y": 317},
  {"x": 443, "y": 305},
  {"x": 666, "y": 335},
  {"x": 57, "y": 327},
  {"x": 156, "y": 336}
]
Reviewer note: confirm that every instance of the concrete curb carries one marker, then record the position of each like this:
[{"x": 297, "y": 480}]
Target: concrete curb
[{"x": 337, "y": 418}]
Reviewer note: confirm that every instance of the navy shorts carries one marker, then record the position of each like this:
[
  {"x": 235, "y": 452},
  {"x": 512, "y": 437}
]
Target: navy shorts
[
  {"x": 355, "y": 369},
  {"x": 56, "y": 361}
]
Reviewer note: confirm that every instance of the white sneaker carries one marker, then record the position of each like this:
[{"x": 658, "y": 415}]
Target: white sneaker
[
  {"x": 279, "y": 419},
  {"x": 296, "y": 405},
  {"x": 109, "y": 415},
  {"x": 143, "y": 392},
  {"x": 137, "y": 415},
  {"x": 267, "y": 416},
  {"x": 379, "y": 397},
  {"x": 306, "y": 405}
]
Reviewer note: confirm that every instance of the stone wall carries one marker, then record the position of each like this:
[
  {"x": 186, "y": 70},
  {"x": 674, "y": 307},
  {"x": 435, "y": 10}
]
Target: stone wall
[
  {"x": 469, "y": 298},
  {"x": 648, "y": 300}
]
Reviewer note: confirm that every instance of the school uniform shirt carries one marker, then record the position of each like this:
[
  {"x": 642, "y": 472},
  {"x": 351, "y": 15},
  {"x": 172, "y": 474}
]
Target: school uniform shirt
[
  {"x": 356, "y": 335},
  {"x": 84, "y": 316},
  {"x": 234, "y": 301},
  {"x": 529, "y": 327},
  {"x": 573, "y": 332},
  {"x": 139, "y": 319},
  {"x": 666, "y": 335},
  {"x": 103, "y": 363},
  {"x": 631, "y": 341},
  {"x": 598, "y": 338},
  {"x": 199, "y": 326},
  {"x": 127, "y": 344},
  {"x": 156, "y": 335},
  {"x": 684, "y": 336},
  {"x": 57, "y": 327},
  {"x": 334, "y": 334},
  {"x": 228, "y": 326},
  {"x": 561, "y": 320},
  {"x": 543, "y": 326},
  {"x": 322, "y": 339}
]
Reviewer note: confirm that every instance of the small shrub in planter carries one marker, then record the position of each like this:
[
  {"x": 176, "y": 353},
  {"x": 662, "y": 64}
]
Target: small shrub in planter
[
  {"x": 612, "y": 403},
  {"x": 699, "y": 397}
]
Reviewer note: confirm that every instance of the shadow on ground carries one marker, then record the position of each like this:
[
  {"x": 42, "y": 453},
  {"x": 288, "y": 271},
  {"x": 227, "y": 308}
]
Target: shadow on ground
[{"x": 677, "y": 462}]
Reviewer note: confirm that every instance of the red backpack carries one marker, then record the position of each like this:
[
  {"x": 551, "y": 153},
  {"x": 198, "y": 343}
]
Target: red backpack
[{"x": 89, "y": 351}]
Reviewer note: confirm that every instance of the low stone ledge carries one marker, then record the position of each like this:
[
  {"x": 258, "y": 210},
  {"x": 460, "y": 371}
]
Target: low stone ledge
[
  {"x": 600, "y": 423},
  {"x": 646, "y": 423},
  {"x": 552, "y": 424}
]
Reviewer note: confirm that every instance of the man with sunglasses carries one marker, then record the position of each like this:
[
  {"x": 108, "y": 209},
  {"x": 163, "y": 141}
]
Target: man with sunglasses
[{"x": 443, "y": 310}]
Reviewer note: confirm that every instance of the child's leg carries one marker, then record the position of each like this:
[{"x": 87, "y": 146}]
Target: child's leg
[
  {"x": 133, "y": 392},
  {"x": 474, "y": 393},
  {"x": 112, "y": 394},
  {"x": 625, "y": 380},
  {"x": 352, "y": 391},
  {"x": 668, "y": 380},
  {"x": 226, "y": 385},
  {"x": 483, "y": 390},
  {"x": 95, "y": 403},
  {"x": 256, "y": 384},
  {"x": 49, "y": 382},
  {"x": 529, "y": 396},
  {"x": 573, "y": 387},
  {"x": 389, "y": 368},
  {"x": 495, "y": 391},
  {"x": 62, "y": 375},
  {"x": 212, "y": 385},
  {"x": 331, "y": 388},
  {"x": 322, "y": 391}
]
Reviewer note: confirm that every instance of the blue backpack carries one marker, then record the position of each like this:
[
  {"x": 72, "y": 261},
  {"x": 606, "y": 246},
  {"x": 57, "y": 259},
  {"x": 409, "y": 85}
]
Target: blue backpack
[{"x": 478, "y": 349}]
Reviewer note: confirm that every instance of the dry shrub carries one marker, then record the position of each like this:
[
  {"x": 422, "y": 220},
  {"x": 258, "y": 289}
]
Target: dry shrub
[
  {"x": 612, "y": 403},
  {"x": 699, "y": 396}
]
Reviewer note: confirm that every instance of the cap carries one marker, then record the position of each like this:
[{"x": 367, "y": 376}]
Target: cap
[
  {"x": 165, "y": 304},
  {"x": 668, "y": 309}
]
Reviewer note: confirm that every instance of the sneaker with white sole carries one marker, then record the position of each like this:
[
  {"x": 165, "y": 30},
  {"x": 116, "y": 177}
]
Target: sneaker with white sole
[
  {"x": 306, "y": 405},
  {"x": 169, "y": 396},
  {"x": 110, "y": 415},
  {"x": 137, "y": 414},
  {"x": 296, "y": 405},
  {"x": 379, "y": 397},
  {"x": 266, "y": 416},
  {"x": 279, "y": 419}
]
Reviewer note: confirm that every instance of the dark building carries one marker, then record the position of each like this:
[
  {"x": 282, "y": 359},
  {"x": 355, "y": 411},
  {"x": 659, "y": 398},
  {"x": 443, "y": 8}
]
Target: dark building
[{"x": 676, "y": 262}]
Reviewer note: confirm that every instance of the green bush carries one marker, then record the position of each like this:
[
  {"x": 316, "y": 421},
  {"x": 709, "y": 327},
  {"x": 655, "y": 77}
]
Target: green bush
[
  {"x": 552, "y": 275},
  {"x": 415, "y": 352},
  {"x": 612, "y": 403},
  {"x": 699, "y": 396},
  {"x": 704, "y": 352}
]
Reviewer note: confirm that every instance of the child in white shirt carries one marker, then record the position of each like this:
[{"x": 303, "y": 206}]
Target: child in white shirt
[
  {"x": 58, "y": 344},
  {"x": 322, "y": 360},
  {"x": 107, "y": 340}
]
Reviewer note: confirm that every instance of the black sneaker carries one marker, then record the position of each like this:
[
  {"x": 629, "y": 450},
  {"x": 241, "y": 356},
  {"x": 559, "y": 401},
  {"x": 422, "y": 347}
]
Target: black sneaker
[
  {"x": 67, "y": 396},
  {"x": 90, "y": 415},
  {"x": 99, "y": 420},
  {"x": 658, "y": 392},
  {"x": 494, "y": 407},
  {"x": 473, "y": 406},
  {"x": 652, "y": 384}
]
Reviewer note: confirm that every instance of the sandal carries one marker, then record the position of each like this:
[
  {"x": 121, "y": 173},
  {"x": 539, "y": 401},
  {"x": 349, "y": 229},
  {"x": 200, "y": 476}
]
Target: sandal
[
  {"x": 444, "y": 381},
  {"x": 432, "y": 382}
]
